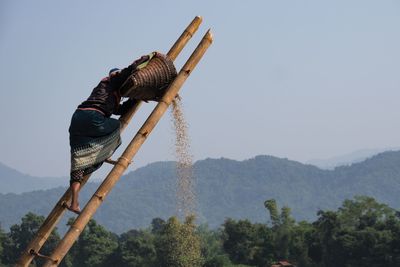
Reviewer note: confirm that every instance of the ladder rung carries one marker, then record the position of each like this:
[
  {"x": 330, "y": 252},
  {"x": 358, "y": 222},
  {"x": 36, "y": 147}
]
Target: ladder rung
[
  {"x": 37, "y": 254},
  {"x": 121, "y": 160},
  {"x": 65, "y": 205},
  {"x": 110, "y": 161}
]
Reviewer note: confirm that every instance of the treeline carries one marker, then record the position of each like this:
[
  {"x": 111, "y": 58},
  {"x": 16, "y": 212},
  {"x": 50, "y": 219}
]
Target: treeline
[{"x": 362, "y": 232}]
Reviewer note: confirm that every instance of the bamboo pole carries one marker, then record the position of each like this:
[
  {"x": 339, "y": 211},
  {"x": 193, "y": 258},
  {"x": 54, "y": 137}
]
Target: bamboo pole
[
  {"x": 77, "y": 227},
  {"x": 175, "y": 50},
  {"x": 184, "y": 38},
  {"x": 55, "y": 215}
]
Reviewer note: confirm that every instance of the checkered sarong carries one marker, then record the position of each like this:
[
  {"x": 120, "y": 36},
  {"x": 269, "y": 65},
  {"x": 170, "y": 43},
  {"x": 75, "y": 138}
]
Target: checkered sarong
[{"x": 95, "y": 151}]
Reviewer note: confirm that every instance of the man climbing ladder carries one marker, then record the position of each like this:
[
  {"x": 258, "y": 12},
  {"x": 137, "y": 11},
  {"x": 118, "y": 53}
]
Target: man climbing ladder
[
  {"x": 51, "y": 221},
  {"x": 93, "y": 134}
]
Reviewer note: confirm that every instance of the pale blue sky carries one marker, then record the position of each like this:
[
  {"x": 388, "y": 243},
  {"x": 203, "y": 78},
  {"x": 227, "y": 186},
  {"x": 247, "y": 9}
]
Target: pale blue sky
[{"x": 295, "y": 79}]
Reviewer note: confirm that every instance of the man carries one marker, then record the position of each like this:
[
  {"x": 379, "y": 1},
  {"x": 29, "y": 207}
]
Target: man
[{"x": 94, "y": 135}]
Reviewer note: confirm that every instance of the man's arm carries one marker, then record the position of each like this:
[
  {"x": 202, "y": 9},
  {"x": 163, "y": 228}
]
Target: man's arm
[
  {"x": 121, "y": 77},
  {"x": 124, "y": 107}
]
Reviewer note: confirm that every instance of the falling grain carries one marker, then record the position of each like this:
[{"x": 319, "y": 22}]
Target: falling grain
[{"x": 185, "y": 184}]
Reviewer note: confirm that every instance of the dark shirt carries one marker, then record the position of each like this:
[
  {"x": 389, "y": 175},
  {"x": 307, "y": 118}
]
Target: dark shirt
[{"x": 106, "y": 96}]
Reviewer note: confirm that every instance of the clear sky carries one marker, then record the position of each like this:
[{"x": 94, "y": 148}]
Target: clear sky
[{"x": 294, "y": 79}]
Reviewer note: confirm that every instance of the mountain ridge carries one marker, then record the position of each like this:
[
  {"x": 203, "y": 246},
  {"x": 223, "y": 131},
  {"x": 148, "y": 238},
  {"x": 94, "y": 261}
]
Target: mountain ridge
[
  {"x": 226, "y": 188},
  {"x": 14, "y": 181}
]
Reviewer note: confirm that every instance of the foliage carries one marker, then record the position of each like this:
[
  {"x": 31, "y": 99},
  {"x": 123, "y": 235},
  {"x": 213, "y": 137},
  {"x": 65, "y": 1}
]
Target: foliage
[
  {"x": 94, "y": 246},
  {"x": 21, "y": 234},
  {"x": 282, "y": 225},
  {"x": 179, "y": 245},
  {"x": 3, "y": 238},
  {"x": 362, "y": 232},
  {"x": 247, "y": 243},
  {"x": 135, "y": 248},
  {"x": 212, "y": 247}
]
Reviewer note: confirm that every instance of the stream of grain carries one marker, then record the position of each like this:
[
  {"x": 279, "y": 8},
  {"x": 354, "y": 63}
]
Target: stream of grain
[{"x": 186, "y": 199}]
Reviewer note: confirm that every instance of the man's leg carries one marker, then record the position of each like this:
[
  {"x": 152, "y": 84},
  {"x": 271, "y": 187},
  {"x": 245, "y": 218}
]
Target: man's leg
[{"x": 75, "y": 185}]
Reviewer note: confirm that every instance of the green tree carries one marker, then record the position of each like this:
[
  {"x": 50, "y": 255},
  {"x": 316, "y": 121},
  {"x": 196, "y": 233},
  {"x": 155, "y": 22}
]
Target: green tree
[
  {"x": 3, "y": 238},
  {"x": 282, "y": 226},
  {"x": 298, "y": 247},
  {"x": 94, "y": 246},
  {"x": 212, "y": 247},
  {"x": 392, "y": 224},
  {"x": 361, "y": 233},
  {"x": 157, "y": 225},
  {"x": 21, "y": 234},
  {"x": 363, "y": 211},
  {"x": 179, "y": 245},
  {"x": 270, "y": 204},
  {"x": 248, "y": 243},
  {"x": 135, "y": 249}
]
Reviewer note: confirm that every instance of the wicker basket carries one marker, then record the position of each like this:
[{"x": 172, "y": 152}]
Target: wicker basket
[{"x": 151, "y": 81}]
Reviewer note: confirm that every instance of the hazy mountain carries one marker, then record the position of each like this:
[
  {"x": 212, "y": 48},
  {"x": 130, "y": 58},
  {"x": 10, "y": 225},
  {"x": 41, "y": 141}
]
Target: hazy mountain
[
  {"x": 348, "y": 159},
  {"x": 226, "y": 188},
  {"x": 13, "y": 181}
]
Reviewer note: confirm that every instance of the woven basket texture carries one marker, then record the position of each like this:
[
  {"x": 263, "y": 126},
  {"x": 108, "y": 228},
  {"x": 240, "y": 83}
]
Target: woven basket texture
[{"x": 150, "y": 82}]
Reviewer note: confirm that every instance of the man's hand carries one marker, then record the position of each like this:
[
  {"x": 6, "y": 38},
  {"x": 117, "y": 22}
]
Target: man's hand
[
  {"x": 141, "y": 60},
  {"x": 124, "y": 107}
]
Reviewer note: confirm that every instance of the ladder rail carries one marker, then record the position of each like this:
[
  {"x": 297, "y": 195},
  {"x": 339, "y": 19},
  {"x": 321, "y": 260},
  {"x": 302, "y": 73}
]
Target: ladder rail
[
  {"x": 112, "y": 178},
  {"x": 58, "y": 210}
]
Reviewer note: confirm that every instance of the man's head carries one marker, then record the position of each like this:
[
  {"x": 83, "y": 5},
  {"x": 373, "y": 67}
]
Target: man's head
[{"x": 113, "y": 71}]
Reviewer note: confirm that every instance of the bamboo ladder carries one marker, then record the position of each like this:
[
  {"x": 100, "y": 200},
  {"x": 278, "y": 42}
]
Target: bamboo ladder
[{"x": 121, "y": 164}]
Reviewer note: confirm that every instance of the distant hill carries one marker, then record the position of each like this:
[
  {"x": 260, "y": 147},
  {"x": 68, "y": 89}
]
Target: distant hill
[
  {"x": 226, "y": 188},
  {"x": 13, "y": 181},
  {"x": 348, "y": 159}
]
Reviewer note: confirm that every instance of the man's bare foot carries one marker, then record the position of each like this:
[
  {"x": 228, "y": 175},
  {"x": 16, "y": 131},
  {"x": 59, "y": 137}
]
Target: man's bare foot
[
  {"x": 74, "y": 201},
  {"x": 74, "y": 208}
]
